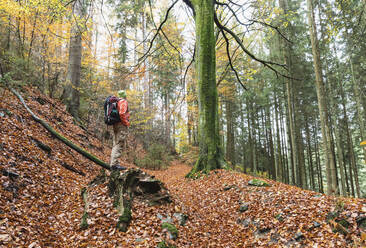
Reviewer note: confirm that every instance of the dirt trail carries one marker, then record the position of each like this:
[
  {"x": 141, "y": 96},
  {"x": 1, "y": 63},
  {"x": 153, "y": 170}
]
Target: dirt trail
[{"x": 40, "y": 203}]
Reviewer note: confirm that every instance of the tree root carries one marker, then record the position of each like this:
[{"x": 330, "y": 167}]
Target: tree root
[
  {"x": 134, "y": 183},
  {"x": 123, "y": 188},
  {"x": 59, "y": 136}
]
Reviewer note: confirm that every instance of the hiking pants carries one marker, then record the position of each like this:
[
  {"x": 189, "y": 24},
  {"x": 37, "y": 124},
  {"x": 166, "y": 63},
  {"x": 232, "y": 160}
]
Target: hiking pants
[{"x": 119, "y": 142}]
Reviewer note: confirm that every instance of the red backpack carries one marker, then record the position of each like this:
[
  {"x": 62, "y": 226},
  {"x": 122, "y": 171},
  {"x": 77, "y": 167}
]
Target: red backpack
[
  {"x": 124, "y": 114},
  {"x": 111, "y": 113}
]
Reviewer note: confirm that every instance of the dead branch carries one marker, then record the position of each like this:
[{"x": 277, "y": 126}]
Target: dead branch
[{"x": 143, "y": 57}]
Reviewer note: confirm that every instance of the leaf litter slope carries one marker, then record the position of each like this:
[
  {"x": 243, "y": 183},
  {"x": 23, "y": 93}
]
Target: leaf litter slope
[
  {"x": 277, "y": 216},
  {"x": 41, "y": 204}
]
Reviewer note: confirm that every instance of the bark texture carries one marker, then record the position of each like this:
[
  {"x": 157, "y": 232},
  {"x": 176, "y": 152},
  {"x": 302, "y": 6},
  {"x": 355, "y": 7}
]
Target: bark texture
[
  {"x": 323, "y": 109},
  {"x": 71, "y": 94},
  {"x": 211, "y": 156}
]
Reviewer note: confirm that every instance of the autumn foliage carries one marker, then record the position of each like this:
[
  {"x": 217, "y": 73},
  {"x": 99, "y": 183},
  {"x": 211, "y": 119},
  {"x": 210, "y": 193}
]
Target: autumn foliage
[{"x": 41, "y": 204}]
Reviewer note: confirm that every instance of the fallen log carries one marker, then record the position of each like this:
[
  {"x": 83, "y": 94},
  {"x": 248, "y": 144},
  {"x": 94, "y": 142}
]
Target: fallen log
[{"x": 59, "y": 136}]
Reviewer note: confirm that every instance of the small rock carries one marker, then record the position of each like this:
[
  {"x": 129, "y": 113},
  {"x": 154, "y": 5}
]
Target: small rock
[
  {"x": 279, "y": 217},
  {"x": 361, "y": 222},
  {"x": 316, "y": 224},
  {"x": 139, "y": 240},
  {"x": 258, "y": 183},
  {"x": 10, "y": 174},
  {"x": 244, "y": 207},
  {"x": 160, "y": 216},
  {"x": 262, "y": 232},
  {"x": 245, "y": 222},
  {"x": 182, "y": 218},
  {"x": 167, "y": 220},
  {"x": 298, "y": 236},
  {"x": 226, "y": 188}
]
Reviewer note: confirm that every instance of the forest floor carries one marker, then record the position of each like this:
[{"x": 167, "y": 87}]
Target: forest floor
[{"x": 41, "y": 206}]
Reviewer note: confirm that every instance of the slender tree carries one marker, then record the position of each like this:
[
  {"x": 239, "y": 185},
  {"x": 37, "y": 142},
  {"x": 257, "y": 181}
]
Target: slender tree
[{"x": 323, "y": 109}]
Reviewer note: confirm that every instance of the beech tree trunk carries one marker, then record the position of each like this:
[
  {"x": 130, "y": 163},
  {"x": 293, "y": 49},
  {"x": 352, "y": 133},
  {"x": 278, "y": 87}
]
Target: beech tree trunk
[
  {"x": 211, "y": 155},
  {"x": 71, "y": 94}
]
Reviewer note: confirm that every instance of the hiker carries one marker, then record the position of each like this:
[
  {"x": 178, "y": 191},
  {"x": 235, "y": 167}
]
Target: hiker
[{"x": 117, "y": 114}]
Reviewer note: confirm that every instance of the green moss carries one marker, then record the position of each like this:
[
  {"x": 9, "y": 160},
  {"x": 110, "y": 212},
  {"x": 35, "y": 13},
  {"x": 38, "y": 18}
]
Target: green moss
[
  {"x": 259, "y": 183},
  {"x": 171, "y": 228},
  {"x": 84, "y": 221},
  {"x": 82, "y": 191},
  {"x": 124, "y": 219},
  {"x": 344, "y": 222},
  {"x": 126, "y": 216},
  {"x": 162, "y": 244}
]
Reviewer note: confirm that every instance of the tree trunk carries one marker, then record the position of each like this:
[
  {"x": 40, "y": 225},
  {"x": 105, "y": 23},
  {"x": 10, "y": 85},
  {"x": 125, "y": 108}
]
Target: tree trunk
[
  {"x": 350, "y": 145},
  {"x": 361, "y": 121},
  {"x": 279, "y": 167},
  {"x": 317, "y": 159},
  {"x": 310, "y": 154},
  {"x": 272, "y": 168},
  {"x": 254, "y": 141},
  {"x": 230, "y": 145},
  {"x": 284, "y": 147},
  {"x": 211, "y": 156},
  {"x": 287, "y": 53},
  {"x": 250, "y": 137},
  {"x": 323, "y": 109},
  {"x": 71, "y": 94}
]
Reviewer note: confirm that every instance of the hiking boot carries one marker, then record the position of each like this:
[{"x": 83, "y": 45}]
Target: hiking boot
[{"x": 118, "y": 167}]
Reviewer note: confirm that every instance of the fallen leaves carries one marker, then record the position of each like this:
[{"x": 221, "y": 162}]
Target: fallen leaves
[{"x": 42, "y": 206}]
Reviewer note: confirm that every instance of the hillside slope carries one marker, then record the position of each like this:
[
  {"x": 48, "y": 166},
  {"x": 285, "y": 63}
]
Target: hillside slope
[{"x": 40, "y": 203}]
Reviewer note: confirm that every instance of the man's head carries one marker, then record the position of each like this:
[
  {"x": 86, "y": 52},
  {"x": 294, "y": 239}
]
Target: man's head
[{"x": 122, "y": 94}]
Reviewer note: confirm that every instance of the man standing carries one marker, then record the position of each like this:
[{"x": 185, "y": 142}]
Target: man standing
[{"x": 120, "y": 131}]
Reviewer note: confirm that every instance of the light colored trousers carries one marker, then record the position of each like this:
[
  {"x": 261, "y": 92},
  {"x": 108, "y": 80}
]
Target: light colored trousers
[{"x": 119, "y": 142}]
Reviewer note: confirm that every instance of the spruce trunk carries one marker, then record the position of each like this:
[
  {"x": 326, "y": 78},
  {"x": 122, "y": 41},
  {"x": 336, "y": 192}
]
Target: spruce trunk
[{"x": 323, "y": 109}]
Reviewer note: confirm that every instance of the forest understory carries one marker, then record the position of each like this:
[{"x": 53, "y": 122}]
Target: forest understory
[{"x": 41, "y": 205}]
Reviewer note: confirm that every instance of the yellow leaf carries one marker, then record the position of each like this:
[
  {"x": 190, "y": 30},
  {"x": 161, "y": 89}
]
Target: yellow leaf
[
  {"x": 363, "y": 143},
  {"x": 363, "y": 236}
]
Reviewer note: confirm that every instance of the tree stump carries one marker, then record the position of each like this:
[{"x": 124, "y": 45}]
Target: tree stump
[{"x": 134, "y": 183}]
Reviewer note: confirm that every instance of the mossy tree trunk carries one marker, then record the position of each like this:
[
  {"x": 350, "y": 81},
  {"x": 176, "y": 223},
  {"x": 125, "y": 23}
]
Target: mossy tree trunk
[{"x": 211, "y": 156}]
